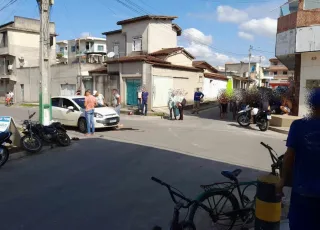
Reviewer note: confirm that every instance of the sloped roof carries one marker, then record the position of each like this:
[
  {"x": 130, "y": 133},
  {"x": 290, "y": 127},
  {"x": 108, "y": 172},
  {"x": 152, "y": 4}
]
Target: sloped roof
[
  {"x": 178, "y": 67},
  {"x": 137, "y": 58},
  {"x": 112, "y": 32},
  {"x": 204, "y": 65},
  {"x": 145, "y": 17},
  {"x": 177, "y": 28},
  {"x": 169, "y": 51},
  {"x": 216, "y": 76}
]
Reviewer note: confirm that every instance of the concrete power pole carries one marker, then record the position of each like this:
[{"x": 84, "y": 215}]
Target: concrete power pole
[
  {"x": 45, "y": 112},
  {"x": 249, "y": 70},
  {"x": 260, "y": 71}
]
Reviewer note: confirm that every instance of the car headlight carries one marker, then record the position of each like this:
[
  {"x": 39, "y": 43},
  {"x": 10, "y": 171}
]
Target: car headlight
[{"x": 98, "y": 115}]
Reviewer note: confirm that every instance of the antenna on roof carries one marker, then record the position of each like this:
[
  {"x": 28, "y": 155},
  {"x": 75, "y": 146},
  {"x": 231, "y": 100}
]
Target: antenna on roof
[{"x": 111, "y": 54}]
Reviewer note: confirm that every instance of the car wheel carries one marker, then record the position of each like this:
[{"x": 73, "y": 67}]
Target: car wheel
[{"x": 82, "y": 125}]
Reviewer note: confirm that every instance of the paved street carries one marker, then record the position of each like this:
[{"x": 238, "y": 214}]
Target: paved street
[{"x": 104, "y": 182}]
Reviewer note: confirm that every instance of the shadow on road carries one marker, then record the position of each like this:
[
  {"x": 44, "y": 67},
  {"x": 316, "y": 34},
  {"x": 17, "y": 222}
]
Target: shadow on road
[{"x": 101, "y": 184}]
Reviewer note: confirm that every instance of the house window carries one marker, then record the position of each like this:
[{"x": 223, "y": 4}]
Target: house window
[
  {"x": 100, "y": 48},
  {"x": 87, "y": 45},
  {"x": 275, "y": 73},
  {"x": 61, "y": 49},
  {"x": 137, "y": 44},
  {"x": 73, "y": 49},
  {"x": 285, "y": 72},
  {"x": 51, "y": 40},
  {"x": 3, "y": 41},
  {"x": 200, "y": 79}
]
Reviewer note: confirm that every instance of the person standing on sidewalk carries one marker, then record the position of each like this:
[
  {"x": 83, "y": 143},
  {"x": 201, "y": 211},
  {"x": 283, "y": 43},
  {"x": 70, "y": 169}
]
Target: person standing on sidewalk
[
  {"x": 116, "y": 101},
  {"x": 198, "y": 96},
  {"x": 181, "y": 105},
  {"x": 144, "y": 106},
  {"x": 90, "y": 102},
  {"x": 300, "y": 166}
]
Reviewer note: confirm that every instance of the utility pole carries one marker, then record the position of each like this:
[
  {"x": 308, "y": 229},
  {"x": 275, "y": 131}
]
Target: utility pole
[
  {"x": 45, "y": 111},
  {"x": 249, "y": 76},
  {"x": 259, "y": 73},
  {"x": 80, "y": 70}
]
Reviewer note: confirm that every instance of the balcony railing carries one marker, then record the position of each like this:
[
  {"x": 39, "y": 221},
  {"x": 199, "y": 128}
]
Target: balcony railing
[{"x": 289, "y": 8}]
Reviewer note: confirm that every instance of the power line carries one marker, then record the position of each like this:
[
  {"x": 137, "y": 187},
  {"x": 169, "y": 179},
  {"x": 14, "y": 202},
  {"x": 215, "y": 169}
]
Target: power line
[
  {"x": 11, "y": 2},
  {"x": 131, "y": 6}
]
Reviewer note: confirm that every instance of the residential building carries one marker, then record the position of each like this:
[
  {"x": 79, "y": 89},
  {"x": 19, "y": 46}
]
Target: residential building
[
  {"x": 19, "y": 48},
  {"x": 277, "y": 74},
  {"x": 146, "y": 54},
  {"x": 213, "y": 82},
  {"x": 298, "y": 47},
  {"x": 239, "y": 73},
  {"x": 87, "y": 49}
]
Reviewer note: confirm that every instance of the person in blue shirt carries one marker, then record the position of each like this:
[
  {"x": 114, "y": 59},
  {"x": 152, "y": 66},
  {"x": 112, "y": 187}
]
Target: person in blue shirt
[
  {"x": 198, "y": 95},
  {"x": 144, "y": 105},
  {"x": 301, "y": 168}
]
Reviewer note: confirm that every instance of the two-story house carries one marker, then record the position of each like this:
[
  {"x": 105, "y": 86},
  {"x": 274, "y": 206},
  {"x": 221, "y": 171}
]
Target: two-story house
[
  {"x": 144, "y": 52},
  {"x": 19, "y": 48},
  {"x": 278, "y": 74},
  {"x": 239, "y": 73},
  {"x": 87, "y": 50},
  {"x": 298, "y": 47}
]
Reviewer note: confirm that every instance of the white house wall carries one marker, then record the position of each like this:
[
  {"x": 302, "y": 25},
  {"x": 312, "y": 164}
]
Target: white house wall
[
  {"x": 286, "y": 42},
  {"x": 133, "y": 30},
  {"x": 308, "y": 39},
  {"x": 212, "y": 87},
  {"x": 184, "y": 80},
  {"x": 161, "y": 35},
  {"x": 118, "y": 38},
  {"x": 180, "y": 59},
  {"x": 309, "y": 71},
  {"x": 26, "y": 45}
]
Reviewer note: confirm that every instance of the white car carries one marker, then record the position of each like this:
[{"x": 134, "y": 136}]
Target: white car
[{"x": 70, "y": 111}]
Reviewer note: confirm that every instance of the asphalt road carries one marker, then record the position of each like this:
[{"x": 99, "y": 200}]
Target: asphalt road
[{"x": 104, "y": 182}]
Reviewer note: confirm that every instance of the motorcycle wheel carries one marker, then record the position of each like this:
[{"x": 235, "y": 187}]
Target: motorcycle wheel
[
  {"x": 63, "y": 139},
  {"x": 243, "y": 120},
  {"x": 264, "y": 125},
  {"x": 36, "y": 145},
  {"x": 4, "y": 155}
]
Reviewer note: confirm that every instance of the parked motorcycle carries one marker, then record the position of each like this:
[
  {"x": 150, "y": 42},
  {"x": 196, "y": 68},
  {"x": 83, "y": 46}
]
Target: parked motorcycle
[
  {"x": 261, "y": 118},
  {"x": 4, "y": 152},
  {"x": 35, "y": 134}
]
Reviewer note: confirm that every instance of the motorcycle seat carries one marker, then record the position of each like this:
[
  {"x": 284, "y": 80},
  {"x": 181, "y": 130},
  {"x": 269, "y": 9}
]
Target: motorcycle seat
[
  {"x": 232, "y": 175},
  {"x": 5, "y": 135}
]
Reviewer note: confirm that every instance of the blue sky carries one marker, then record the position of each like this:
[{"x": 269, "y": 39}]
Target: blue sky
[{"x": 216, "y": 30}]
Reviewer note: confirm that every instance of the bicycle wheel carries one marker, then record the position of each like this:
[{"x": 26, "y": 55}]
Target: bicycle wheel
[{"x": 221, "y": 202}]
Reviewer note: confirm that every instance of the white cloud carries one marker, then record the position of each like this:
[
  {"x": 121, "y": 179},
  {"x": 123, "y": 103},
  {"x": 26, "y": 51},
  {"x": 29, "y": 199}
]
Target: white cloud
[
  {"x": 229, "y": 14},
  {"x": 199, "y": 45},
  {"x": 245, "y": 35},
  {"x": 263, "y": 27},
  {"x": 193, "y": 34}
]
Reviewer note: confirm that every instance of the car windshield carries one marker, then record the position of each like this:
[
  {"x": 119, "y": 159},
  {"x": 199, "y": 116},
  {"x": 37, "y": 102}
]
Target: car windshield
[{"x": 79, "y": 101}]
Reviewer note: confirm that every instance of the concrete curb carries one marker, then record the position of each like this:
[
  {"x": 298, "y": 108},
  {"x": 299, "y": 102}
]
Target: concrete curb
[{"x": 278, "y": 130}]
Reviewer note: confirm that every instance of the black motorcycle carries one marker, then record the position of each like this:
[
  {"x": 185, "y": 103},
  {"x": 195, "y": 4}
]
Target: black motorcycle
[
  {"x": 261, "y": 119},
  {"x": 4, "y": 152},
  {"x": 35, "y": 134}
]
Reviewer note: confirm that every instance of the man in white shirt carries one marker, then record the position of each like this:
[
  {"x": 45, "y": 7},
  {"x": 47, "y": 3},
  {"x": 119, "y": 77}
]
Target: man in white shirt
[{"x": 100, "y": 98}]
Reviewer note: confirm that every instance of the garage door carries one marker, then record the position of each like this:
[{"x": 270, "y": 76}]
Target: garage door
[
  {"x": 68, "y": 90},
  {"x": 161, "y": 89}
]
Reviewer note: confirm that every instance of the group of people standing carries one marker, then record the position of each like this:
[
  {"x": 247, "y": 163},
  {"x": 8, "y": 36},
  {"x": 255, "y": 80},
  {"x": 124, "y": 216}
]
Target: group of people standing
[{"x": 143, "y": 101}]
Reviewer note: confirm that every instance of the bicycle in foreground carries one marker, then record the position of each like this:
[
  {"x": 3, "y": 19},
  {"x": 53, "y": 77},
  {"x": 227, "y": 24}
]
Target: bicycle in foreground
[{"x": 227, "y": 204}]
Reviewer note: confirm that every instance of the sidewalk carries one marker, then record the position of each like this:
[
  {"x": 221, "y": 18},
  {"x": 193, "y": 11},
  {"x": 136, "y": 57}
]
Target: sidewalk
[{"x": 284, "y": 130}]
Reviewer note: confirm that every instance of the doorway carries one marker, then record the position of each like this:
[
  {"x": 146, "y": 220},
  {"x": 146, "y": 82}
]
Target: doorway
[
  {"x": 132, "y": 91},
  {"x": 22, "y": 92}
]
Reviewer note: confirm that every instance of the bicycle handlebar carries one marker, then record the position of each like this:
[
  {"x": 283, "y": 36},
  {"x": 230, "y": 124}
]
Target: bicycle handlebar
[{"x": 265, "y": 145}]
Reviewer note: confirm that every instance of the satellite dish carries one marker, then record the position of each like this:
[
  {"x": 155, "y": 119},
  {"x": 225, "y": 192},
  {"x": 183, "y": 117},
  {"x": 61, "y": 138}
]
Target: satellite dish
[{"x": 111, "y": 55}]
